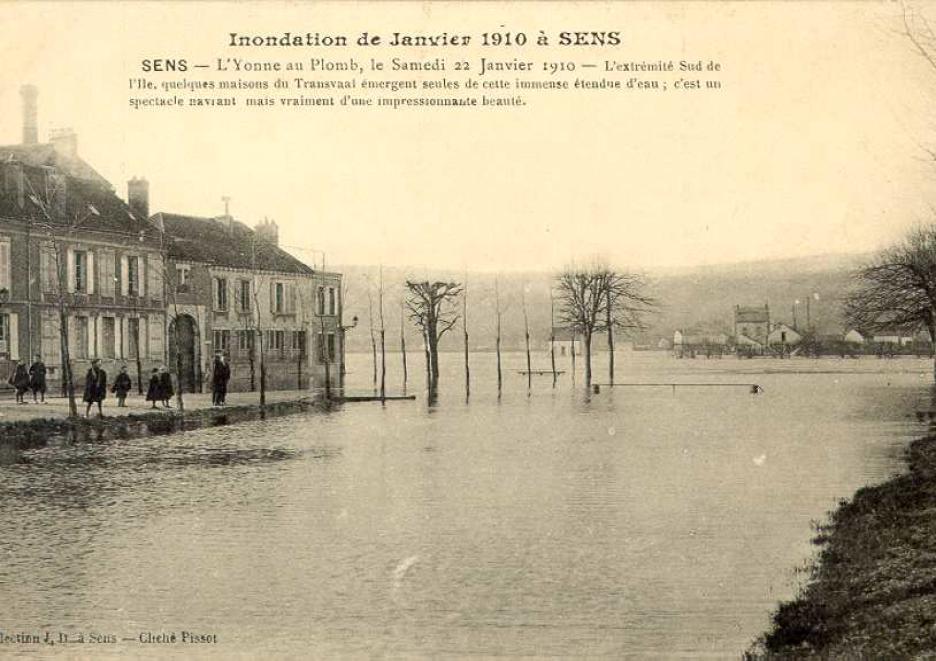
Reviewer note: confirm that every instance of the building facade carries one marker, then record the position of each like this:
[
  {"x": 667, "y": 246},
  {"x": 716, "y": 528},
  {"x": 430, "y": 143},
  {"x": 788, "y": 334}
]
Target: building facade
[
  {"x": 74, "y": 257},
  {"x": 232, "y": 290}
]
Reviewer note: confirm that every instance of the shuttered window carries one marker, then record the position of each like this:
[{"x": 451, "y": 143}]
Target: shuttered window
[{"x": 5, "y": 275}]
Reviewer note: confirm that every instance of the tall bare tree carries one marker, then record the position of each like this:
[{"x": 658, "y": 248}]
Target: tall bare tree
[
  {"x": 897, "y": 287},
  {"x": 432, "y": 307},
  {"x": 465, "y": 337},
  {"x": 597, "y": 298}
]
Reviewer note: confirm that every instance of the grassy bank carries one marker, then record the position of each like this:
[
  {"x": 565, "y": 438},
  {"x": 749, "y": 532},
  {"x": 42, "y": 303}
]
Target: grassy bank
[
  {"x": 28, "y": 434},
  {"x": 872, "y": 594}
]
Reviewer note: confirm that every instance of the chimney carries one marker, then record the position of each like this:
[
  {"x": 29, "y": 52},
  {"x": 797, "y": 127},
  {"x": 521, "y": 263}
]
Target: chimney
[
  {"x": 138, "y": 197},
  {"x": 65, "y": 142},
  {"x": 268, "y": 230},
  {"x": 30, "y": 95}
]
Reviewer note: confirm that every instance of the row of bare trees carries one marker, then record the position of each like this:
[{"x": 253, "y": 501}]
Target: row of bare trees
[{"x": 587, "y": 300}]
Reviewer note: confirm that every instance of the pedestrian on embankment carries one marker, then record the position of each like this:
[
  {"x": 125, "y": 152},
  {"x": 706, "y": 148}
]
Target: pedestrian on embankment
[
  {"x": 37, "y": 379},
  {"x": 154, "y": 392},
  {"x": 122, "y": 385},
  {"x": 19, "y": 379},
  {"x": 95, "y": 387}
]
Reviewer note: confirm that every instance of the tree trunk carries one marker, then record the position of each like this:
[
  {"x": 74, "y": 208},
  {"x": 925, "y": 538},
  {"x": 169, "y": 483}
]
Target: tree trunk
[
  {"x": 610, "y": 324},
  {"x": 587, "y": 338},
  {"x": 68, "y": 378},
  {"x": 403, "y": 347}
]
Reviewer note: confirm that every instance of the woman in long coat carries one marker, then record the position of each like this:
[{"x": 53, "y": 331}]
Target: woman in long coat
[
  {"x": 20, "y": 381},
  {"x": 165, "y": 386},
  {"x": 95, "y": 387},
  {"x": 37, "y": 379}
]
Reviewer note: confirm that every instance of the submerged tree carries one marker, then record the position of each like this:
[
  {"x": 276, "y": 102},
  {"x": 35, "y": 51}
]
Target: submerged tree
[
  {"x": 433, "y": 308},
  {"x": 897, "y": 287},
  {"x": 596, "y": 298}
]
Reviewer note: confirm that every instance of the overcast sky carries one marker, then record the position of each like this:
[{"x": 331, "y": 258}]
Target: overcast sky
[{"x": 812, "y": 146}]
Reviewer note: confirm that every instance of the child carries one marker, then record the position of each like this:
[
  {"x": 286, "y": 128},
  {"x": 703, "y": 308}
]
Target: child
[
  {"x": 153, "y": 393},
  {"x": 122, "y": 385},
  {"x": 20, "y": 380}
]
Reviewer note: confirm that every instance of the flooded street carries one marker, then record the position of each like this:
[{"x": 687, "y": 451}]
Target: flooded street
[{"x": 637, "y": 521}]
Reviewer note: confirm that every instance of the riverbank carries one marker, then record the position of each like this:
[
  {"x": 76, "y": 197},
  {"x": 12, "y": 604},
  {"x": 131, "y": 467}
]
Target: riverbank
[
  {"x": 873, "y": 591},
  {"x": 28, "y": 426}
]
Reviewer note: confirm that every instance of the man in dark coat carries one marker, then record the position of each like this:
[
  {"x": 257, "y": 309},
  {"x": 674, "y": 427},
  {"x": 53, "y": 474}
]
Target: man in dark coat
[
  {"x": 166, "y": 390},
  {"x": 37, "y": 379},
  {"x": 95, "y": 387},
  {"x": 154, "y": 392},
  {"x": 220, "y": 375}
]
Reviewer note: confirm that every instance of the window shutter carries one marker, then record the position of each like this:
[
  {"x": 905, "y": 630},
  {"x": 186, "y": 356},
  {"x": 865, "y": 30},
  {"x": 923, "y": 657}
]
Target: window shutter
[
  {"x": 14, "y": 336},
  {"x": 141, "y": 276},
  {"x": 291, "y": 298},
  {"x": 47, "y": 275},
  {"x": 5, "y": 264},
  {"x": 106, "y": 267},
  {"x": 91, "y": 272},
  {"x": 154, "y": 272},
  {"x": 70, "y": 261},
  {"x": 272, "y": 297},
  {"x": 124, "y": 276},
  {"x": 155, "y": 338},
  {"x": 51, "y": 342},
  {"x": 118, "y": 337},
  {"x": 92, "y": 337}
]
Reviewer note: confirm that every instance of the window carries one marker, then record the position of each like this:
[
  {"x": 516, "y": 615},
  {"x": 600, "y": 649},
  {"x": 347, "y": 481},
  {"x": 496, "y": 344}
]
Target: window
[
  {"x": 182, "y": 278},
  {"x": 220, "y": 294},
  {"x": 245, "y": 340},
  {"x": 279, "y": 297},
  {"x": 5, "y": 277},
  {"x": 321, "y": 300},
  {"x": 109, "y": 333},
  {"x": 4, "y": 334},
  {"x": 276, "y": 340},
  {"x": 222, "y": 340},
  {"x": 327, "y": 342},
  {"x": 133, "y": 337},
  {"x": 133, "y": 275},
  {"x": 331, "y": 301},
  {"x": 81, "y": 271},
  {"x": 243, "y": 296},
  {"x": 81, "y": 336},
  {"x": 331, "y": 347},
  {"x": 299, "y": 342}
]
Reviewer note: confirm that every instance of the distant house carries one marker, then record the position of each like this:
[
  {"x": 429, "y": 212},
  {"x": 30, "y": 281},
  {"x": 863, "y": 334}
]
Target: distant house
[
  {"x": 854, "y": 337},
  {"x": 752, "y": 323},
  {"x": 691, "y": 343},
  {"x": 894, "y": 336},
  {"x": 565, "y": 342},
  {"x": 783, "y": 335}
]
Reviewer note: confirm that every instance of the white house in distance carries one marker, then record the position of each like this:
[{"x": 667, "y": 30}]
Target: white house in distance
[{"x": 854, "y": 337}]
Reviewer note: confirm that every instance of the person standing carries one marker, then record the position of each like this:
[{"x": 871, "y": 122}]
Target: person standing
[
  {"x": 37, "y": 379},
  {"x": 220, "y": 375},
  {"x": 122, "y": 385},
  {"x": 154, "y": 392},
  {"x": 19, "y": 379},
  {"x": 95, "y": 387},
  {"x": 166, "y": 391}
]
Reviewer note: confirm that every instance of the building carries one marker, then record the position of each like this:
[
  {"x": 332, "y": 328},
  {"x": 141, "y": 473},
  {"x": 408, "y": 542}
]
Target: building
[
  {"x": 71, "y": 248},
  {"x": 751, "y": 323},
  {"x": 229, "y": 284},
  {"x": 565, "y": 342},
  {"x": 783, "y": 336},
  {"x": 692, "y": 343}
]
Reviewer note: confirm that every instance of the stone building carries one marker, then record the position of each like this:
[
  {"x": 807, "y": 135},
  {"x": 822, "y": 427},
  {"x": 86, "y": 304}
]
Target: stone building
[
  {"x": 229, "y": 284},
  {"x": 70, "y": 247}
]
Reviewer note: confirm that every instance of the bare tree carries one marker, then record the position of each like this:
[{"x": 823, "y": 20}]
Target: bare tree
[
  {"x": 465, "y": 336},
  {"x": 597, "y": 298},
  {"x": 497, "y": 314},
  {"x": 526, "y": 337},
  {"x": 432, "y": 307},
  {"x": 403, "y": 344},
  {"x": 383, "y": 339},
  {"x": 897, "y": 288},
  {"x": 552, "y": 334}
]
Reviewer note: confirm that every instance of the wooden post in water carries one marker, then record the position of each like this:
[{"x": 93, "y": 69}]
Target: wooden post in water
[{"x": 526, "y": 335}]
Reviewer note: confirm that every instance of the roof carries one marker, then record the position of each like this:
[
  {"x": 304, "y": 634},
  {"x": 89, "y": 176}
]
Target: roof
[
  {"x": 751, "y": 315},
  {"x": 87, "y": 204},
  {"x": 224, "y": 242},
  {"x": 45, "y": 155}
]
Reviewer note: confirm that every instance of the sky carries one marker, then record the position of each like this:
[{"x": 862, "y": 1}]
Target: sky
[{"x": 813, "y": 145}]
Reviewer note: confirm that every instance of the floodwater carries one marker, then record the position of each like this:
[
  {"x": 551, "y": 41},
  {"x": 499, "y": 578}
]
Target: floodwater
[{"x": 640, "y": 521}]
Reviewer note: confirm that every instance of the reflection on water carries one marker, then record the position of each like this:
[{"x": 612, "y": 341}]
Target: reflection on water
[{"x": 634, "y": 521}]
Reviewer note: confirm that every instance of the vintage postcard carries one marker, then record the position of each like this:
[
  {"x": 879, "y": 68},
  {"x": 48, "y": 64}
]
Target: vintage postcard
[{"x": 440, "y": 330}]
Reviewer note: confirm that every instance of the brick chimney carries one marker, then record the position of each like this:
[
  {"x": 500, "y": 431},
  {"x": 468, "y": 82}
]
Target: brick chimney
[
  {"x": 268, "y": 230},
  {"x": 30, "y": 95},
  {"x": 138, "y": 197},
  {"x": 65, "y": 142}
]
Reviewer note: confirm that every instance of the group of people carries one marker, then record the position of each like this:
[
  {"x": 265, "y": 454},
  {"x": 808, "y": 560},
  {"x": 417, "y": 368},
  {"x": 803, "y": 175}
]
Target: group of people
[
  {"x": 160, "y": 390},
  {"x": 32, "y": 379}
]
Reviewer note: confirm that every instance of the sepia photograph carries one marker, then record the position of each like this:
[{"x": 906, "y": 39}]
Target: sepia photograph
[{"x": 467, "y": 330}]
